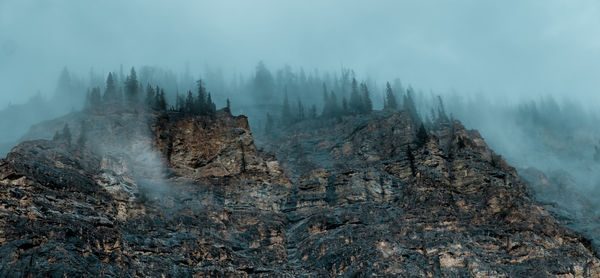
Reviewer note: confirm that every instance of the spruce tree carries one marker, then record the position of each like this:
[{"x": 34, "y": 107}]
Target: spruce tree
[
  {"x": 189, "y": 104},
  {"x": 110, "y": 93},
  {"x": 355, "y": 105},
  {"x": 179, "y": 103},
  {"x": 410, "y": 107},
  {"x": 132, "y": 86},
  {"x": 390, "y": 102},
  {"x": 422, "y": 136},
  {"x": 66, "y": 134},
  {"x": 441, "y": 115},
  {"x": 95, "y": 99},
  {"x": 366, "y": 104},
  {"x": 269, "y": 125},
  {"x": 151, "y": 97},
  {"x": 326, "y": 109},
  {"x": 333, "y": 105},
  {"x": 210, "y": 106},
  {"x": 82, "y": 139},
  {"x": 162, "y": 102},
  {"x": 286, "y": 113},
  {"x": 300, "y": 110},
  {"x": 202, "y": 106},
  {"x": 312, "y": 113}
]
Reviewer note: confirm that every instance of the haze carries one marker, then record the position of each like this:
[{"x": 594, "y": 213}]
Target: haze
[{"x": 508, "y": 48}]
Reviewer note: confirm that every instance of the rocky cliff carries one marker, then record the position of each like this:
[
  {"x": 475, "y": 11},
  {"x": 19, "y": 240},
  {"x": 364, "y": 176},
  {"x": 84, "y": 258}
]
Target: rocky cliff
[{"x": 172, "y": 196}]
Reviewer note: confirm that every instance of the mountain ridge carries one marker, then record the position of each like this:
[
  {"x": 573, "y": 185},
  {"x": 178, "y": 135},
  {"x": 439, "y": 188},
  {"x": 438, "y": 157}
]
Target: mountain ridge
[{"x": 154, "y": 193}]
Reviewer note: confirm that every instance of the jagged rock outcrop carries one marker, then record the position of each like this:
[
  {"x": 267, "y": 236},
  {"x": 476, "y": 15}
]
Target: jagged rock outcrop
[
  {"x": 166, "y": 195},
  {"x": 378, "y": 203}
]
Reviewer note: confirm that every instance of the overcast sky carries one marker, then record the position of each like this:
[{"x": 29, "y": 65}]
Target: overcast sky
[{"x": 495, "y": 47}]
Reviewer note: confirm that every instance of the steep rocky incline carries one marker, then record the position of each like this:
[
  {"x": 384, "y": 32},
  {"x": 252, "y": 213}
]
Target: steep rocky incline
[
  {"x": 368, "y": 200},
  {"x": 172, "y": 196}
]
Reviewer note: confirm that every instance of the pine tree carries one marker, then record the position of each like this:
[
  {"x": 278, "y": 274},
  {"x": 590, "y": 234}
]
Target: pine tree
[
  {"x": 162, "y": 104},
  {"x": 422, "y": 136},
  {"x": 65, "y": 87},
  {"x": 66, "y": 134},
  {"x": 210, "y": 105},
  {"x": 312, "y": 113},
  {"x": 286, "y": 114},
  {"x": 132, "y": 86},
  {"x": 202, "y": 106},
  {"x": 344, "y": 106},
  {"x": 441, "y": 115},
  {"x": 355, "y": 105},
  {"x": 326, "y": 109},
  {"x": 411, "y": 160},
  {"x": 390, "y": 102},
  {"x": 367, "y": 104},
  {"x": 263, "y": 82},
  {"x": 110, "y": 93},
  {"x": 189, "y": 104},
  {"x": 228, "y": 107},
  {"x": 151, "y": 97},
  {"x": 300, "y": 111},
  {"x": 95, "y": 98},
  {"x": 410, "y": 107},
  {"x": 269, "y": 125},
  {"x": 82, "y": 139},
  {"x": 179, "y": 103}
]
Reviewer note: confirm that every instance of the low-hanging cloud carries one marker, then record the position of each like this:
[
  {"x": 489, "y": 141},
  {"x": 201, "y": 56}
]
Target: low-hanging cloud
[{"x": 510, "y": 48}]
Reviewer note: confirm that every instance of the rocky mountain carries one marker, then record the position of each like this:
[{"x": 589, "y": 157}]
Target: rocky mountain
[{"x": 162, "y": 195}]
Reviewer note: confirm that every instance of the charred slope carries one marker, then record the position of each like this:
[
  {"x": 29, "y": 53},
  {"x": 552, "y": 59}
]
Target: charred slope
[{"x": 360, "y": 202}]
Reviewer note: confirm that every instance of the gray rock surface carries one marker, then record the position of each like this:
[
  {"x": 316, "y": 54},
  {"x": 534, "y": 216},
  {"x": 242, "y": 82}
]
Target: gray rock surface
[{"x": 163, "y": 195}]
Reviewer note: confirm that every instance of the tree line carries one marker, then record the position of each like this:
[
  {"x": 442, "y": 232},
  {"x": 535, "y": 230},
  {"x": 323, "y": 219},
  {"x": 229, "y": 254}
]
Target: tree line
[{"x": 130, "y": 92}]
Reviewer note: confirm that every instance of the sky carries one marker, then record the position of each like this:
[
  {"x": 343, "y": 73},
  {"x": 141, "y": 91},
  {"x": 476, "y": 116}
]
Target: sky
[{"x": 497, "y": 48}]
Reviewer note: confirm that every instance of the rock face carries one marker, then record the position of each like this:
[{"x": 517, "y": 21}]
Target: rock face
[{"x": 171, "y": 196}]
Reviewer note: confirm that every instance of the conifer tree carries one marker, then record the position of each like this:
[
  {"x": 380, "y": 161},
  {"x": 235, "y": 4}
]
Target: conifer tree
[
  {"x": 132, "y": 86},
  {"x": 422, "y": 136},
  {"x": 151, "y": 96},
  {"x": 355, "y": 105},
  {"x": 269, "y": 125},
  {"x": 333, "y": 105},
  {"x": 390, "y": 102},
  {"x": 300, "y": 110},
  {"x": 210, "y": 106},
  {"x": 66, "y": 134},
  {"x": 312, "y": 113},
  {"x": 162, "y": 102},
  {"x": 326, "y": 109},
  {"x": 95, "y": 98},
  {"x": 366, "y": 104},
  {"x": 189, "y": 104},
  {"x": 286, "y": 113},
  {"x": 441, "y": 113},
  {"x": 179, "y": 103},
  {"x": 110, "y": 93},
  {"x": 202, "y": 106},
  {"x": 410, "y": 107},
  {"x": 82, "y": 139}
]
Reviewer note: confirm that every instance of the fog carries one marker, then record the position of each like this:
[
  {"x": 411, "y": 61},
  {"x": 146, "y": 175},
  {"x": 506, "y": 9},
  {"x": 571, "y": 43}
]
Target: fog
[
  {"x": 515, "y": 48},
  {"x": 524, "y": 73}
]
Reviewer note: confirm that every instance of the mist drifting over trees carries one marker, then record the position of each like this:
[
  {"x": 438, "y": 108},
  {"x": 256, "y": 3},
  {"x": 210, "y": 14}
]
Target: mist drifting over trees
[{"x": 525, "y": 74}]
